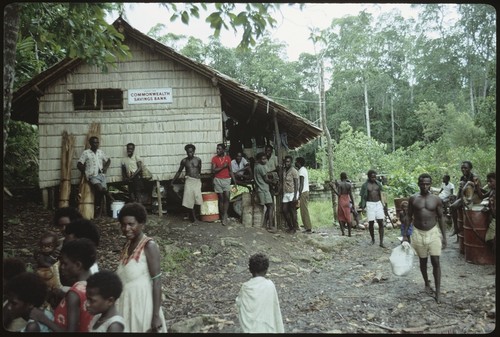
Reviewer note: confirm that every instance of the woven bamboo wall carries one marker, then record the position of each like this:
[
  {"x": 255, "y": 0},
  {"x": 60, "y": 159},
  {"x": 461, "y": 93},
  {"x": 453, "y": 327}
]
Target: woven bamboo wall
[{"x": 159, "y": 131}]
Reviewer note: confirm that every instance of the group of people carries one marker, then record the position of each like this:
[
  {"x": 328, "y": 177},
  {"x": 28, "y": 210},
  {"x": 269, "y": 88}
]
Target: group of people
[
  {"x": 128, "y": 299},
  {"x": 422, "y": 217},
  {"x": 94, "y": 163},
  {"x": 263, "y": 177},
  {"x": 68, "y": 292}
]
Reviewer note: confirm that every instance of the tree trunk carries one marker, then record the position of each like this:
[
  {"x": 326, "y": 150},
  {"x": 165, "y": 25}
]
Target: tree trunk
[
  {"x": 367, "y": 112},
  {"x": 11, "y": 15},
  {"x": 392, "y": 125},
  {"x": 471, "y": 93},
  {"x": 329, "y": 151}
]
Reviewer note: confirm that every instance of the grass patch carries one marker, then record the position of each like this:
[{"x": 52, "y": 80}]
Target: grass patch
[
  {"x": 174, "y": 261},
  {"x": 321, "y": 214}
]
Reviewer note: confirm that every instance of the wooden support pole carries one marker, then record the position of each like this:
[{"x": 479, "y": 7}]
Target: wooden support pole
[
  {"x": 277, "y": 211},
  {"x": 254, "y": 107},
  {"x": 158, "y": 195},
  {"x": 45, "y": 198}
]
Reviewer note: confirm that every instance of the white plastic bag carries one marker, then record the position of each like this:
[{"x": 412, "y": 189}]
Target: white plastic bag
[{"x": 402, "y": 259}]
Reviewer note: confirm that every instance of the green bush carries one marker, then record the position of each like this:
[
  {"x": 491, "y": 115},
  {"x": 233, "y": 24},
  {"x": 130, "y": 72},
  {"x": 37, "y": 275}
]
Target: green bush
[{"x": 21, "y": 156}]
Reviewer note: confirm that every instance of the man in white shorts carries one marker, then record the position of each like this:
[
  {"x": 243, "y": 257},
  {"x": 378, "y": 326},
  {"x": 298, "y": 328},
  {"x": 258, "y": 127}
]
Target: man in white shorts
[{"x": 371, "y": 200}]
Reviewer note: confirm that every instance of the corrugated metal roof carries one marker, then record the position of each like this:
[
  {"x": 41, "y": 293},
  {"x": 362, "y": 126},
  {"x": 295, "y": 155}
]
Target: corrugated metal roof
[{"x": 238, "y": 101}]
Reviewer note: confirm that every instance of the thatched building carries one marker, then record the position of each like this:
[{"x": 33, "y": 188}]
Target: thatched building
[{"x": 159, "y": 99}]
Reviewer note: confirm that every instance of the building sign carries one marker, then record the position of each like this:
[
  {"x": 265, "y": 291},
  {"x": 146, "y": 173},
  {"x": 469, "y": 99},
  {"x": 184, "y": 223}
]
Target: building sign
[{"x": 150, "y": 96}]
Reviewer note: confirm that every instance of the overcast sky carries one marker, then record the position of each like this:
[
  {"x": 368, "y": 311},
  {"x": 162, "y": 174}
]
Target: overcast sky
[{"x": 292, "y": 27}]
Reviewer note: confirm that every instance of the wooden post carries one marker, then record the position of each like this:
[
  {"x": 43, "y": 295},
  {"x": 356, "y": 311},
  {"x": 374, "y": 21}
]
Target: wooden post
[
  {"x": 277, "y": 145},
  {"x": 158, "y": 195},
  {"x": 45, "y": 198}
]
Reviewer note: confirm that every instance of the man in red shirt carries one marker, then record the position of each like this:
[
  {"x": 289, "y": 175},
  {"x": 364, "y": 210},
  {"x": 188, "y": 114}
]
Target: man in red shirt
[{"x": 221, "y": 169}]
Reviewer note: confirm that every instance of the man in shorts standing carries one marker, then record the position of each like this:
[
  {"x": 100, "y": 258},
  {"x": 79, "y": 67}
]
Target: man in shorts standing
[
  {"x": 221, "y": 169},
  {"x": 192, "y": 187},
  {"x": 262, "y": 186},
  {"x": 94, "y": 164},
  {"x": 371, "y": 199},
  {"x": 428, "y": 239}
]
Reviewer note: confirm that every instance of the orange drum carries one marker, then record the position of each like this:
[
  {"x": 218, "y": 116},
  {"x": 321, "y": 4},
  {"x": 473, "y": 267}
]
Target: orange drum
[
  {"x": 209, "y": 210},
  {"x": 475, "y": 227}
]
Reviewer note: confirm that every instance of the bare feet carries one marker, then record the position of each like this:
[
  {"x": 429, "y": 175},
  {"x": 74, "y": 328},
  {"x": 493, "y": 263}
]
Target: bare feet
[
  {"x": 438, "y": 300},
  {"x": 429, "y": 290}
]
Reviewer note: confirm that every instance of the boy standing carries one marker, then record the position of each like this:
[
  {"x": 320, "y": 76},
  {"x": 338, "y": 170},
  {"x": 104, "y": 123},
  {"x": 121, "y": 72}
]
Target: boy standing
[
  {"x": 192, "y": 187},
  {"x": 304, "y": 194},
  {"x": 258, "y": 304},
  {"x": 132, "y": 173},
  {"x": 262, "y": 186}
]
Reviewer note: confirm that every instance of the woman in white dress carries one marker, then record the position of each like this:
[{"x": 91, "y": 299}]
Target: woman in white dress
[{"x": 139, "y": 270}]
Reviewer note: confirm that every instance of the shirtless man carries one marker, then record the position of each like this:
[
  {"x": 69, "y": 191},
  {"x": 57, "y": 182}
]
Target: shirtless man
[
  {"x": 371, "y": 199},
  {"x": 428, "y": 239},
  {"x": 192, "y": 187}
]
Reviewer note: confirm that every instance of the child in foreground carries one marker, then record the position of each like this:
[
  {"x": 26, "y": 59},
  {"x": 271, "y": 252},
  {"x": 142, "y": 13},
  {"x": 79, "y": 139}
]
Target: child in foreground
[
  {"x": 25, "y": 292},
  {"x": 71, "y": 314},
  {"x": 258, "y": 304},
  {"x": 46, "y": 260},
  {"x": 103, "y": 289},
  {"x": 12, "y": 266}
]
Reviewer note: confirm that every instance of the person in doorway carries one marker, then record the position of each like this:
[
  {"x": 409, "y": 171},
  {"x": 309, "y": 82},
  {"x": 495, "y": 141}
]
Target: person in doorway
[
  {"x": 272, "y": 169},
  {"x": 241, "y": 169},
  {"x": 290, "y": 195},
  {"x": 428, "y": 238},
  {"x": 132, "y": 173},
  {"x": 304, "y": 194},
  {"x": 192, "y": 198},
  {"x": 257, "y": 302},
  {"x": 467, "y": 175},
  {"x": 346, "y": 200},
  {"x": 93, "y": 163},
  {"x": 371, "y": 200},
  {"x": 221, "y": 170},
  {"x": 262, "y": 187}
]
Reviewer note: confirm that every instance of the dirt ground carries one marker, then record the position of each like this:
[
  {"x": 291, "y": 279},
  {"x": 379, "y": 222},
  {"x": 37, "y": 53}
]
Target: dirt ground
[{"x": 327, "y": 283}]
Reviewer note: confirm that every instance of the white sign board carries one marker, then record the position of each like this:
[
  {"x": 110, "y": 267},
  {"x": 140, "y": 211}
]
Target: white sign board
[{"x": 150, "y": 96}]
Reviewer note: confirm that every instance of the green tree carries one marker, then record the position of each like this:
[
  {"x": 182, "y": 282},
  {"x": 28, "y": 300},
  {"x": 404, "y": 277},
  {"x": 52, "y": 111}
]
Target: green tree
[{"x": 20, "y": 167}]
